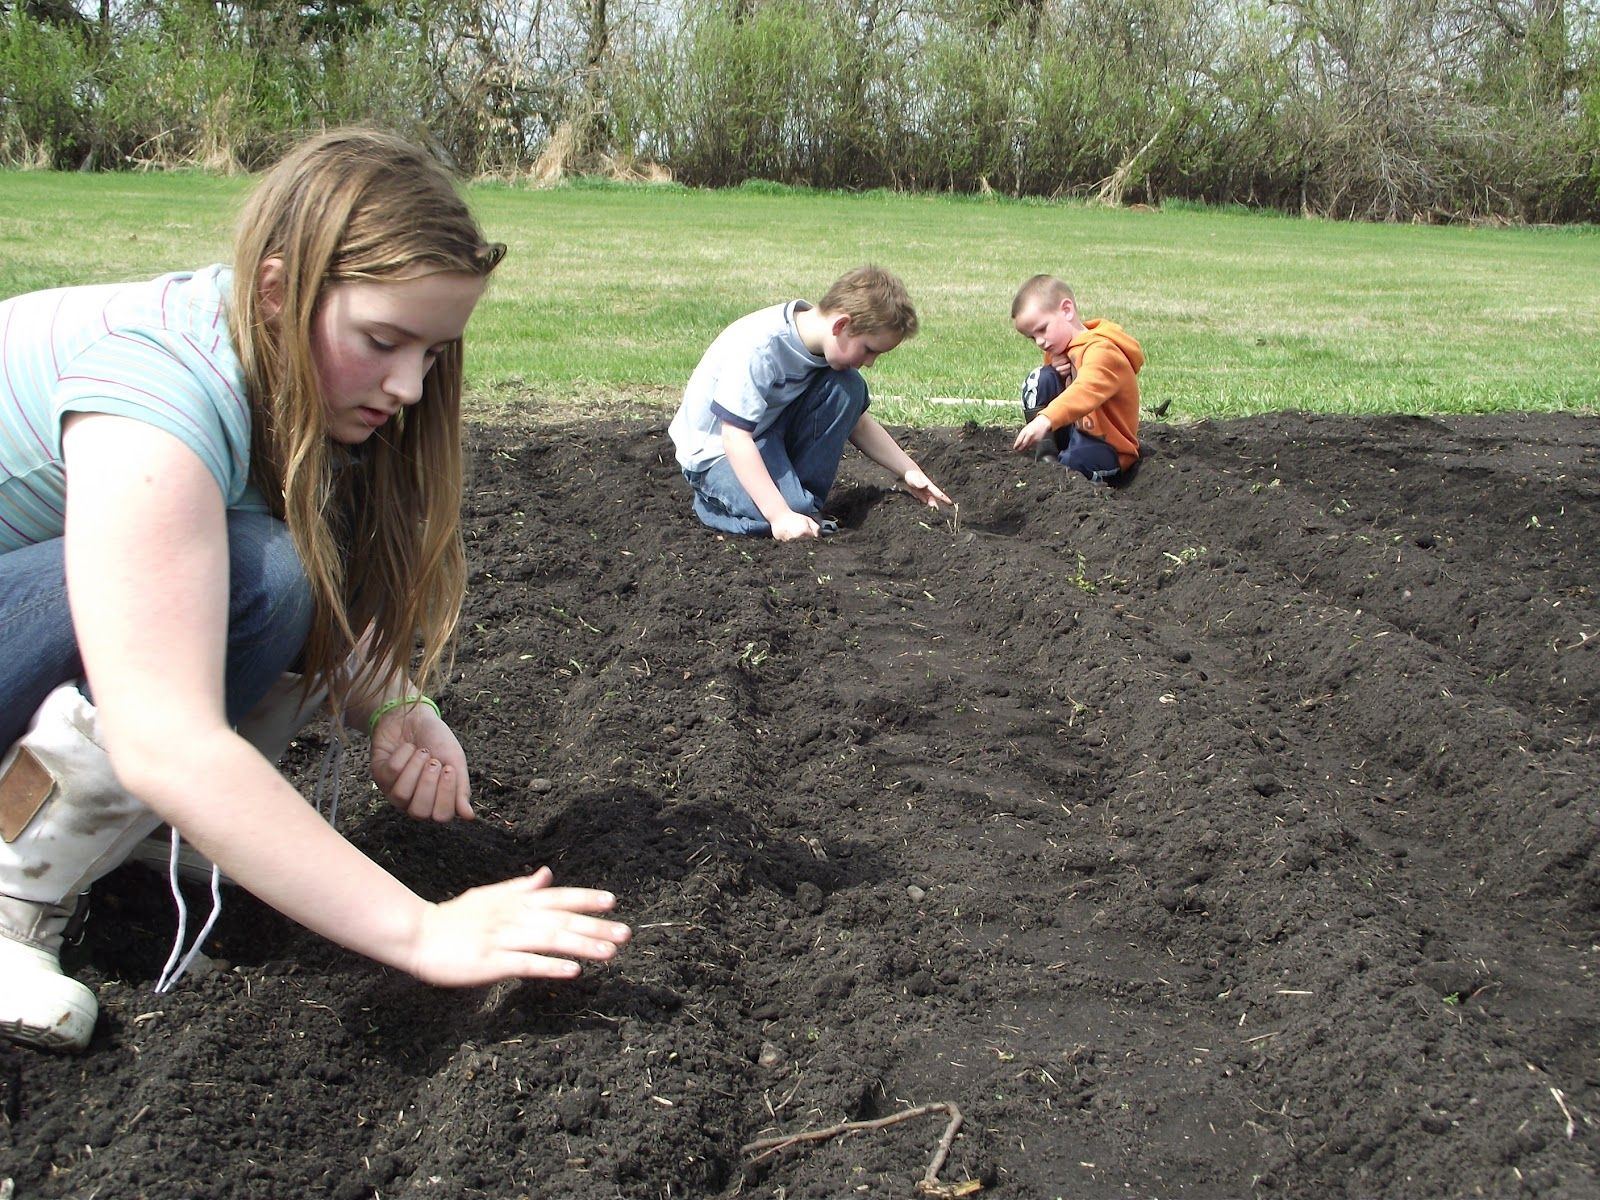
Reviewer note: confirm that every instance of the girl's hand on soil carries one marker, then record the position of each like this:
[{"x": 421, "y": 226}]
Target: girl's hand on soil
[
  {"x": 1034, "y": 432},
  {"x": 792, "y": 526},
  {"x": 923, "y": 488},
  {"x": 420, "y": 766},
  {"x": 519, "y": 929}
]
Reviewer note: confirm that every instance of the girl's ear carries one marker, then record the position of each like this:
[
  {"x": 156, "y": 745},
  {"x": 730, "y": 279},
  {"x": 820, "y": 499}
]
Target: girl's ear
[{"x": 269, "y": 287}]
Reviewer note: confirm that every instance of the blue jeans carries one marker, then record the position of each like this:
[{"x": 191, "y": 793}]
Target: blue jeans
[
  {"x": 1079, "y": 451},
  {"x": 802, "y": 449},
  {"x": 1089, "y": 455},
  {"x": 269, "y": 616}
]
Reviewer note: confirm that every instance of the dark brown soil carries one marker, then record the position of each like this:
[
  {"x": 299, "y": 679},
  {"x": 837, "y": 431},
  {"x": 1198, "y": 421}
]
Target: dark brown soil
[{"x": 1231, "y": 834}]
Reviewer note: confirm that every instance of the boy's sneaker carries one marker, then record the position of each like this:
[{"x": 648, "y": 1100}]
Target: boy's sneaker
[{"x": 39, "y": 1006}]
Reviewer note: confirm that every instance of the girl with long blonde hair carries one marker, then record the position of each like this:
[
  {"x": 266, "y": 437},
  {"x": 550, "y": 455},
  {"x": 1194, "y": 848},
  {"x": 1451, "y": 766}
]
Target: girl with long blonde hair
[{"x": 226, "y": 498}]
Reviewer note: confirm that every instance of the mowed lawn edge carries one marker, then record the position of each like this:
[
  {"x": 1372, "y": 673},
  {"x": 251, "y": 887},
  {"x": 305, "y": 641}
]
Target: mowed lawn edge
[{"x": 610, "y": 293}]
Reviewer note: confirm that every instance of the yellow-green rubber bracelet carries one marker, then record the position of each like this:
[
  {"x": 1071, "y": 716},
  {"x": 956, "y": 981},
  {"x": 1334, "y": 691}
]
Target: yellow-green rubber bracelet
[{"x": 389, "y": 706}]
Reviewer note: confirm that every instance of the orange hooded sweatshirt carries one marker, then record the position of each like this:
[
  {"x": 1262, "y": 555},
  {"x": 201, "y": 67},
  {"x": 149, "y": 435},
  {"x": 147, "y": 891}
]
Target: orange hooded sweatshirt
[{"x": 1101, "y": 396}]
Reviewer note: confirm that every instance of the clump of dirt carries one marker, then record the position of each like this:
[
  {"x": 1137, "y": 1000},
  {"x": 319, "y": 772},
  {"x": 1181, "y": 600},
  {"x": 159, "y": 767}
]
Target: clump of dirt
[{"x": 1232, "y": 833}]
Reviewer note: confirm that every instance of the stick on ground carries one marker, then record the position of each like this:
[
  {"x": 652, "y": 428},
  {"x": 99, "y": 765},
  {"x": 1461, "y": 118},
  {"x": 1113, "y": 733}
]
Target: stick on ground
[{"x": 929, "y": 1185}]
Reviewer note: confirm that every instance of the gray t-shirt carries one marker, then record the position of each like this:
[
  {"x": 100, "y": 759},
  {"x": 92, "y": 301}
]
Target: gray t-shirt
[{"x": 756, "y": 368}]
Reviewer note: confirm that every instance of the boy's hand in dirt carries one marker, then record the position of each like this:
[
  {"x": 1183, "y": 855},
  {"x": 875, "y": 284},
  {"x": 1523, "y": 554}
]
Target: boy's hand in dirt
[
  {"x": 1034, "y": 432},
  {"x": 420, "y": 766},
  {"x": 519, "y": 929},
  {"x": 923, "y": 488},
  {"x": 792, "y": 526}
]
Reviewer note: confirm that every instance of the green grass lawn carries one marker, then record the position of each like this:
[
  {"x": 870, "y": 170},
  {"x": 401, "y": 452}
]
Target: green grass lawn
[{"x": 611, "y": 293}]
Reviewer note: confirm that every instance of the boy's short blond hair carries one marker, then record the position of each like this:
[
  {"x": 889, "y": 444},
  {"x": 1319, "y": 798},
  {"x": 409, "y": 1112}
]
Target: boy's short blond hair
[
  {"x": 1044, "y": 290},
  {"x": 874, "y": 300}
]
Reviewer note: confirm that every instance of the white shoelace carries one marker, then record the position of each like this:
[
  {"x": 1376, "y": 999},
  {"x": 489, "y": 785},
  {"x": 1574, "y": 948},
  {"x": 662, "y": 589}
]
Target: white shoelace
[
  {"x": 175, "y": 969},
  {"x": 325, "y": 800}
]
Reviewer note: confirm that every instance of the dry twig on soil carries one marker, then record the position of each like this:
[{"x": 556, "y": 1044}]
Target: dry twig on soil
[{"x": 929, "y": 1185}]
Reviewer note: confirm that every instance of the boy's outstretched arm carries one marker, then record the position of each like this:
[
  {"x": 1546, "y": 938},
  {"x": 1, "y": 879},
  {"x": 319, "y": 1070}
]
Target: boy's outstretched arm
[
  {"x": 750, "y": 469},
  {"x": 878, "y": 444}
]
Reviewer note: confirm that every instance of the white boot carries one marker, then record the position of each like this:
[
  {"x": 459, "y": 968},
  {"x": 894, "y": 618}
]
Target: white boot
[
  {"x": 39, "y": 1006},
  {"x": 67, "y": 821},
  {"x": 282, "y": 713}
]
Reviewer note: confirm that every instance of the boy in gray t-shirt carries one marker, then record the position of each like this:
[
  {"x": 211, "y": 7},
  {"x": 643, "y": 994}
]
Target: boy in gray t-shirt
[{"x": 766, "y": 414}]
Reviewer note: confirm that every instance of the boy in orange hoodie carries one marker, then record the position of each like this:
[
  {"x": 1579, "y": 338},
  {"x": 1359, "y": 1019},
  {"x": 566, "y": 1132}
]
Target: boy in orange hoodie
[{"x": 1082, "y": 406}]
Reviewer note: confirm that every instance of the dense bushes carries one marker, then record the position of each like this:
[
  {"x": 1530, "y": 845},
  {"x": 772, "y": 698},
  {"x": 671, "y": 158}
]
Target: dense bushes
[
  {"x": 180, "y": 82},
  {"x": 1380, "y": 109}
]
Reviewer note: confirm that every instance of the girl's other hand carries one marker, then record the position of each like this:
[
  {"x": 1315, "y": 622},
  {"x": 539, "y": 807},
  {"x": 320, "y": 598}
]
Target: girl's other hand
[
  {"x": 519, "y": 929},
  {"x": 420, "y": 766}
]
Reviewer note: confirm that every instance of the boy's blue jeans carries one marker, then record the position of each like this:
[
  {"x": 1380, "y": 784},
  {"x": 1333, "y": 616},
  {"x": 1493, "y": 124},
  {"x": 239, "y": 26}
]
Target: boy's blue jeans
[
  {"x": 1078, "y": 451},
  {"x": 802, "y": 449},
  {"x": 269, "y": 616}
]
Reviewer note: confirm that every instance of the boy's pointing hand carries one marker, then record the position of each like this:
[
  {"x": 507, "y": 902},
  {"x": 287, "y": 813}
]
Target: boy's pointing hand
[
  {"x": 1034, "y": 432},
  {"x": 924, "y": 489}
]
